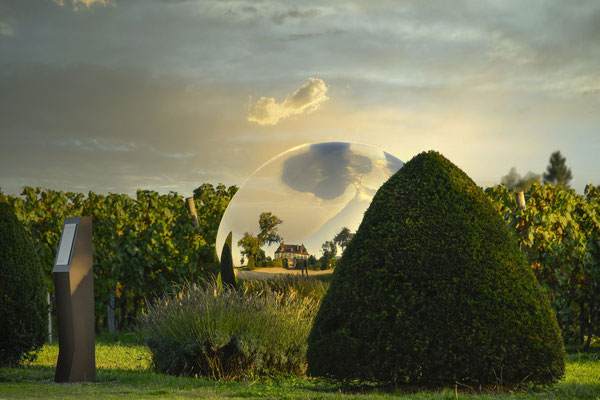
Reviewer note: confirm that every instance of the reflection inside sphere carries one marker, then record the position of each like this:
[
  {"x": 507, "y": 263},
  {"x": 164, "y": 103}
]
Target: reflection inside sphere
[{"x": 315, "y": 189}]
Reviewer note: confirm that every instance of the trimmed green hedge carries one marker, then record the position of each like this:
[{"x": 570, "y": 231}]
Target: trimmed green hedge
[
  {"x": 22, "y": 302},
  {"x": 433, "y": 290}
]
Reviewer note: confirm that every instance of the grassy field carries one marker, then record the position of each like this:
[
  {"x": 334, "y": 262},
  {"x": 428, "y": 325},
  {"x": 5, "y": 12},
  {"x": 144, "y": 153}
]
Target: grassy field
[{"x": 124, "y": 372}]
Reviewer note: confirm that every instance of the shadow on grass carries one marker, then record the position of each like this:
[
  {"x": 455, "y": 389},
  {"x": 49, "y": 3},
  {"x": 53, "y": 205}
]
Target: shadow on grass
[
  {"x": 152, "y": 383},
  {"x": 29, "y": 373},
  {"x": 123, "y": 338},
  {"x": 45, "y": 374},
  {"x": 559, "y": 390},
  {"x": 38, "y": 381}
]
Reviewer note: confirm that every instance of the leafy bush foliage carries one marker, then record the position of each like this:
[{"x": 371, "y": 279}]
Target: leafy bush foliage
[
  {"x": 559, "y": 233},
  {"x": 277, "y": 263},
  {"x": 22, "y": 293},
  {"x": 227, "y": 334},
  {"x": 433, "y": 290},
  {"x": 142, "y": 244}
]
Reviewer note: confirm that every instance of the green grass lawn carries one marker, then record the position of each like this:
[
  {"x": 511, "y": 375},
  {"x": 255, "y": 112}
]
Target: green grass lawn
[{"x": 124, "y": 372}]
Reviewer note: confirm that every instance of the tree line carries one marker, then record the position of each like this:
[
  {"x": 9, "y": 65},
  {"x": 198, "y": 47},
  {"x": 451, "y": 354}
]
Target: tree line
[
  {"x": 557, "y": 173},
  {"x": 143, "y": 246},
  {"x": 149, "y": 244},
  {"x": 251, "y": 244}
]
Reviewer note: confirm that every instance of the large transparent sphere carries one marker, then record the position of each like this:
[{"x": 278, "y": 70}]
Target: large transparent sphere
[{"x": 316, "y": 189}]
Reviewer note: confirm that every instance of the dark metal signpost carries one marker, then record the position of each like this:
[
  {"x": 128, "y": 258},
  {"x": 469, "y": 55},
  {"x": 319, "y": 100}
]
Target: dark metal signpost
[{"x": 74, "y": 292}]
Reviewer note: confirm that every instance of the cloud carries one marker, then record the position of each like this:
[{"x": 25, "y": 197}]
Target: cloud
[
  {"x": 312, "y": 35},
  {"x": 280, "y": 18},
  {"x": 91, "y": 3},
  {"x": 6, "y": 29},
  {"x": 590, "y": 91},
  {"x": 325, "y": 170},
  {"x": 90, "y": 127},
  {"x": 77, "y": 4},
  {"x": 307, "y": 98},
  {"x": 7, "y": 21}
]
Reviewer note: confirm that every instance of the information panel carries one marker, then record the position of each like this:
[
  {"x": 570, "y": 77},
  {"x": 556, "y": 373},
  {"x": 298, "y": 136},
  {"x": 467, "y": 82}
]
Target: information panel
[
  {"x": 66, "y": 243},
  {"x": 73, "y": 277}
]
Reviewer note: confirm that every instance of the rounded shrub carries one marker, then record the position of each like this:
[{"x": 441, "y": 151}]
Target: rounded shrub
[
  {"x": 229, "y": 334},
  {"x": 433, "y": 290},
  {"x": 22, "y": 293}
]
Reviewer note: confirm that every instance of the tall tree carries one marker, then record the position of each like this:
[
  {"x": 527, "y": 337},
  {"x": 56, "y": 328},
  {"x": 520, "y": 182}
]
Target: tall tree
[
  {"x": 251, "y": 245},
  {"x": 557, "y": 172},
  {"x": 514, "y": 181},
  {"x": 529, "y": 179},
  {"x": 329, "y": 250},
  {"x": 511, "y": 179},
  {"x": 268, "y": 228},
  {"x": 343, "y": 238}
]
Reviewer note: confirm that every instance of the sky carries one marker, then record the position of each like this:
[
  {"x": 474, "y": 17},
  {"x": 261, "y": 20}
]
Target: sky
[
  {"x": 119, "y": 95},
  {"x": 315, "y": 190}
]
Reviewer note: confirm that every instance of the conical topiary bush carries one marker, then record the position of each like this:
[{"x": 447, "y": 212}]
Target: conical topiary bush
[
  {"x": 227, "y": 273},
  {"x": 23, "y": 308},
  {"x": 433, "y": 290}
]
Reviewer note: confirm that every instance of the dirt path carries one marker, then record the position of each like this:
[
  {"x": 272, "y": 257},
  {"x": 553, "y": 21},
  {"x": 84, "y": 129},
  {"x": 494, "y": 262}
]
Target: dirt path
[{"x": 265, "y": 273}]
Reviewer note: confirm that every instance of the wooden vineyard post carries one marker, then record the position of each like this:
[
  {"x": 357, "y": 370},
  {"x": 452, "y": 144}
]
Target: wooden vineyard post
[
  {"x": 192, "y": 208},
  {"x": 521, "y": 200},
  {"x": 110, "y": 313},
  {"x": 522, "y": 206},
  {"x": 49, "y": 317}
]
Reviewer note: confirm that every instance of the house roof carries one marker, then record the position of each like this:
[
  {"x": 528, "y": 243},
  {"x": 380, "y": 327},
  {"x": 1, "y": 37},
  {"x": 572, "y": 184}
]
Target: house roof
[{"x": 291, "y": 248}]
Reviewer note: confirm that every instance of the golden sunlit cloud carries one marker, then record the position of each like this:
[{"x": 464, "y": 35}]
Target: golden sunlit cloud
[
  {"x": 307, "y": 98},
  {"x": 77, "y": 4},
  {"x": 90, "y": 3}
]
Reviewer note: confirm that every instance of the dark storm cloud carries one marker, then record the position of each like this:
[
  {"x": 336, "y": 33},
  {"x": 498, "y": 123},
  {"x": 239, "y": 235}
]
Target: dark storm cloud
[{"x": 325, "y": 170}]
